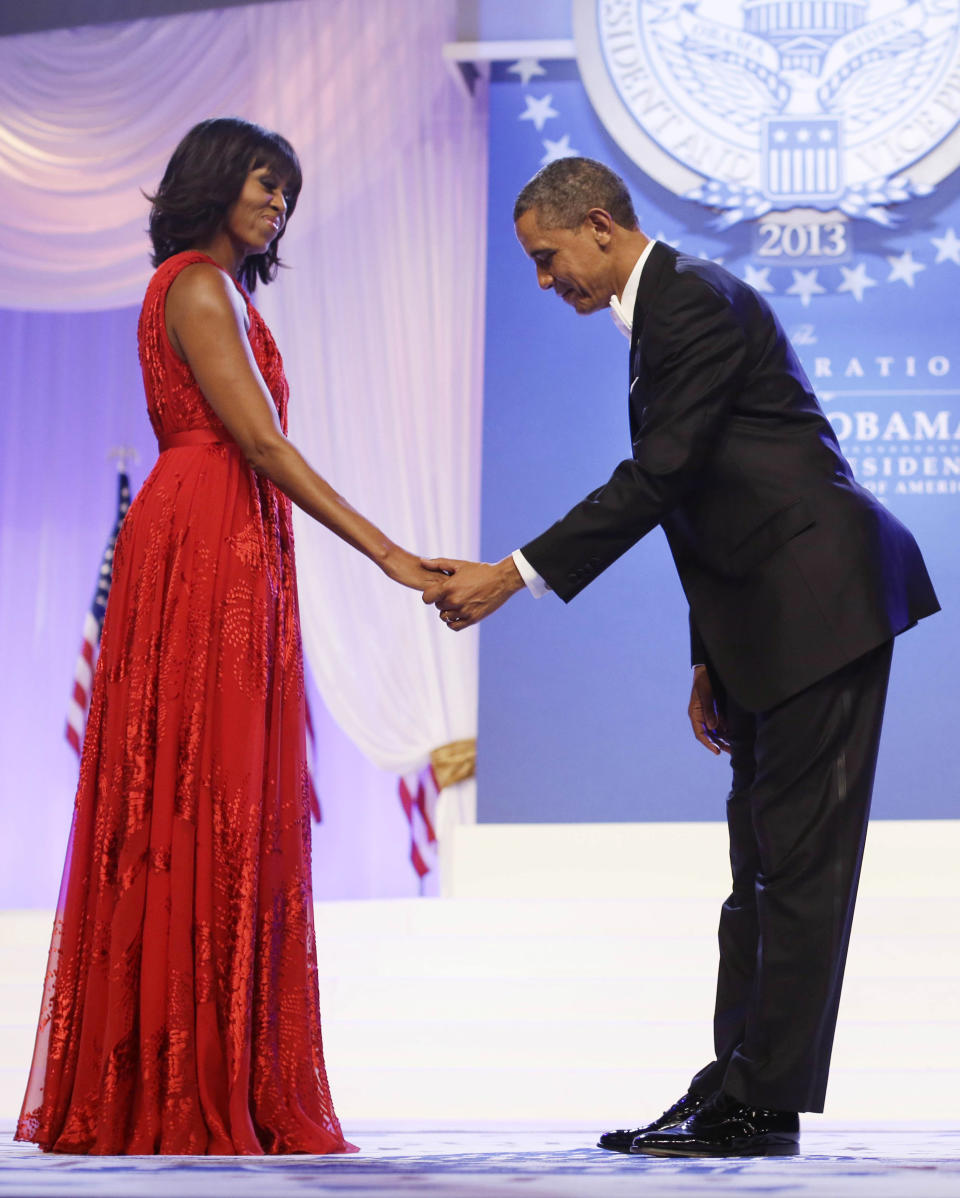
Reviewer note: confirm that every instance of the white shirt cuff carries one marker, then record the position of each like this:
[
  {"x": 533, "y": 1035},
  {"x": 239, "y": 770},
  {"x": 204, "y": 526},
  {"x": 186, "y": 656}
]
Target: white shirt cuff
[{"x": 534, "y": 583}]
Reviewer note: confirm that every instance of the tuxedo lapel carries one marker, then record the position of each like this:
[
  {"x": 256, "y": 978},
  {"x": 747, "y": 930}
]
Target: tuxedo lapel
[
  {"x": 661, "y": 258},
  {"x": 634, "y": 406}
]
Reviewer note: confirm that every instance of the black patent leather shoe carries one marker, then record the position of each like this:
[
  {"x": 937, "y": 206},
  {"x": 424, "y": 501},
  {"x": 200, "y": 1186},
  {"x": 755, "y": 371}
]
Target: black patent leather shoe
[
  {"x": 725, "y": 1127},
  {"x": 622, "y": 1139}
]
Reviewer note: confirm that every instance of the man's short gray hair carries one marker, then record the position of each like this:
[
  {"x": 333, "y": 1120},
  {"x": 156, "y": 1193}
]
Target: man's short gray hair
[{"x": 563, "y": 192}]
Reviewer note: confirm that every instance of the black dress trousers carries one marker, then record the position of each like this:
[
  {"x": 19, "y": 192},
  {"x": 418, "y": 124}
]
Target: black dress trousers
[{"x": 797, "y": 816}]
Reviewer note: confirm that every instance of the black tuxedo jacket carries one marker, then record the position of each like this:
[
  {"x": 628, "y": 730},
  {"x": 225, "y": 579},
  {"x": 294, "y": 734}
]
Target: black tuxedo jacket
[{"x": 791, "y": 569}]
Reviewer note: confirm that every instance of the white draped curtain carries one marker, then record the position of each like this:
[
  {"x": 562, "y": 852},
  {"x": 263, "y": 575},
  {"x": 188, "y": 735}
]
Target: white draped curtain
[{"x": 379, "y": 318}]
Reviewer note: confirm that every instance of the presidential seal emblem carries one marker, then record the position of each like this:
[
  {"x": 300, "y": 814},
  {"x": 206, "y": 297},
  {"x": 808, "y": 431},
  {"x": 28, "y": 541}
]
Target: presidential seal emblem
[{"x": 763, "y": 108}]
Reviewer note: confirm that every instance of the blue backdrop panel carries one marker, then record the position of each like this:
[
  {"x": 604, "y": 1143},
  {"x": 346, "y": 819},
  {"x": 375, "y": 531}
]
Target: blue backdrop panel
[{"x": 583, "y": 706}]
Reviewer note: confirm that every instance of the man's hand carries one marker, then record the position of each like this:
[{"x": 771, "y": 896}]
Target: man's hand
[
  {"x": 709, "y": 726},
  {"x": 466, "y": 592}
]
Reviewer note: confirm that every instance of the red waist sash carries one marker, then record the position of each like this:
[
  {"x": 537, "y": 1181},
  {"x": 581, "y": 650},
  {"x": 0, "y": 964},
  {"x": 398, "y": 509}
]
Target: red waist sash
[{"x": 194, "y": 436}]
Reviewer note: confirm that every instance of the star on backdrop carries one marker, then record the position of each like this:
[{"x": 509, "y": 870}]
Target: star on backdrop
[
  {"x": 759, "y": 280},
  {"x": 805, "y": 285},
  {"x": 856, "y": 281},
  {"x": 557, "y": 149},
  {"x": 538, "y": 111},
  {"x": 903, "y": 268},
  {"x": 526, "y": 68},
  {"x": 948, "y": 247}
]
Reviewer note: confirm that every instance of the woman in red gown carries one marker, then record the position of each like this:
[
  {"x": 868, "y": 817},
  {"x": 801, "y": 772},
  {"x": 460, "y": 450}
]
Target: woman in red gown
[{"x": 180, "y": 1011}]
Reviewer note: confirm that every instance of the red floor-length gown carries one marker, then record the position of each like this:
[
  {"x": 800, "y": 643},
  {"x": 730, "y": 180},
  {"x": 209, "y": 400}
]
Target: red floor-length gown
[{"x": 180, "y": 1012}]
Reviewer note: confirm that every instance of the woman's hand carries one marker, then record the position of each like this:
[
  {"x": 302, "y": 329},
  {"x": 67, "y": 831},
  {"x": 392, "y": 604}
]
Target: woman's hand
[{"x": 405, "y": 568}]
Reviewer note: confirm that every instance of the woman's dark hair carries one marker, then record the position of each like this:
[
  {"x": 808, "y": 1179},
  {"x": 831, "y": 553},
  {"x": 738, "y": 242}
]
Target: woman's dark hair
[{"x": 205, "y": 176}]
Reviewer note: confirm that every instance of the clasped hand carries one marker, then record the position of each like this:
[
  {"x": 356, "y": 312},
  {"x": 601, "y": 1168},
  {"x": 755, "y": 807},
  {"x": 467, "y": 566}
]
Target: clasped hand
[{"x": 465, "y": 592}]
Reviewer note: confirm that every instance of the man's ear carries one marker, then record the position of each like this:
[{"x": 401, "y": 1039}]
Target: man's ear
[{"x": 600, "y": 223}]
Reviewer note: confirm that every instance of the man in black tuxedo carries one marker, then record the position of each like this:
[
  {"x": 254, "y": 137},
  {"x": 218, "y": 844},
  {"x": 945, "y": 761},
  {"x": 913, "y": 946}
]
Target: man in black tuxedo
[{"x": 797, "y": 580}]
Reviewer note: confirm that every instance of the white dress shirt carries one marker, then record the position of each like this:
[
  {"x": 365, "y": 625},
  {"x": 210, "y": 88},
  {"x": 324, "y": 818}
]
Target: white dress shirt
[{"x": 621, "y": 309}]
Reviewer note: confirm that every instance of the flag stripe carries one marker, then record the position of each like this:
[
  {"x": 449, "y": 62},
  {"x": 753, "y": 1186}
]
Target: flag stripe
[
  {"x": 83, "y": 675},
  {"x": 418, "y": 796},
  {"x": 79, "y": 703}
]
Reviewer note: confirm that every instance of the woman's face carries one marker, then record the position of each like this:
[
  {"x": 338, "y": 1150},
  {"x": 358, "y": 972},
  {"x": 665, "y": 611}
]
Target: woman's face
[{"x": 258, "y": 214}]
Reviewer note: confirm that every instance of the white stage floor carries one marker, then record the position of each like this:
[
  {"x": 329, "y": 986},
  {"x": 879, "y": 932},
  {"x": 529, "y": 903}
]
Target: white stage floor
[
  {"x": 880, "y": 1161},
  {"x": 566, "y": 985},
  {"x": 568, "y": 981}
]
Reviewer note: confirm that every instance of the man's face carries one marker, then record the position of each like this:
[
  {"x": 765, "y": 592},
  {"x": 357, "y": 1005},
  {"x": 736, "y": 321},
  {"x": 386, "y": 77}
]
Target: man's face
[{"x": 571, "y": 262}]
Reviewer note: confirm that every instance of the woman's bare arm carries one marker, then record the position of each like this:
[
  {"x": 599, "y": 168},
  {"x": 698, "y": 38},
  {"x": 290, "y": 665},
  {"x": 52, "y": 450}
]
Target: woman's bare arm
[{"x": 205, "y": 321}]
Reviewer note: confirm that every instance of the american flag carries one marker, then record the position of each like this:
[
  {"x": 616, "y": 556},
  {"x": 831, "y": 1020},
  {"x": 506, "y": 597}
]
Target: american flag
[
  {"x": 418, "y": 796},
  {"x": 93, "y": 625}
]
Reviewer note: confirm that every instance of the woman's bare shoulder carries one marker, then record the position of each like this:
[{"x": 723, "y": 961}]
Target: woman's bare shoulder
[
  {"x": 203, "y": 297},
  {"x": 203, "y": 286}
]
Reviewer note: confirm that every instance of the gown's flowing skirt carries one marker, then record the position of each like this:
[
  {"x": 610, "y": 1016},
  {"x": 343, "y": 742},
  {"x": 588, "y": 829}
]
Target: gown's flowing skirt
[{"x": 180, "y": 1011}]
